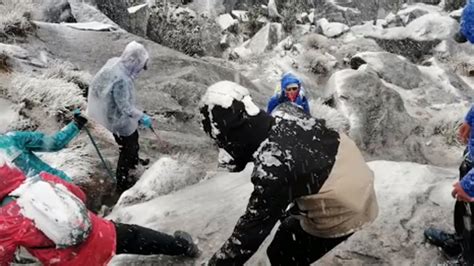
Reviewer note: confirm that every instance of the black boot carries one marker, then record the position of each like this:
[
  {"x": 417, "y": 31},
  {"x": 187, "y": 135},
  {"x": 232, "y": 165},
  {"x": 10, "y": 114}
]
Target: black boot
[
  {"x": 185, "y": 240},
  {"x": 460, "y": 38},
  {"x": 449, "y": 243}
]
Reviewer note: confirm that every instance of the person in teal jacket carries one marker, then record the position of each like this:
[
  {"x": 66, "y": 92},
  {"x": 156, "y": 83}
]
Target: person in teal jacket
[{"x": 21, "y": 146}]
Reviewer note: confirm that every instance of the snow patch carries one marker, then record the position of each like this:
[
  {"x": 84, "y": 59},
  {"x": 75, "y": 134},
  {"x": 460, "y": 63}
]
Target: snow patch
[
  {"x": 134, "y": 9},
  {"x": 92, "y": 26}
]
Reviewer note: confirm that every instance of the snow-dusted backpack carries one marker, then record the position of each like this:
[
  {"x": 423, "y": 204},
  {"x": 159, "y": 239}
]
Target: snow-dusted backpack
[{"x": 56, "y": 212}]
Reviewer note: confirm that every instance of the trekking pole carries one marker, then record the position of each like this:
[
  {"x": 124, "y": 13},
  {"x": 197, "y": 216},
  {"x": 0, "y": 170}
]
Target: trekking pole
[
  {"x": 467, "y": 235},
  {"x": 109, "y": 172}
]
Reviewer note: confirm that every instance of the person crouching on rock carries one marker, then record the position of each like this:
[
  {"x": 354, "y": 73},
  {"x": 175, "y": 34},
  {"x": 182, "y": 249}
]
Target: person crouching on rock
[
  {"x": 47, "y": 216},
  {"x": 311, "y": 178}
]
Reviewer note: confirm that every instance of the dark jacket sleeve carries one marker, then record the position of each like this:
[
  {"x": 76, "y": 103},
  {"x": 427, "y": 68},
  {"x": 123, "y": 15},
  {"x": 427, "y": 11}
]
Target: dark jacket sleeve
[
  {"x": 266, "y": 206},
  {"x": 272, "y": 104}
]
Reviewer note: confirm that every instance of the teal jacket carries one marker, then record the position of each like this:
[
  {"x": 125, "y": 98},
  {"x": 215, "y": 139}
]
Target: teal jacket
[{"x": 20, "y": 146}]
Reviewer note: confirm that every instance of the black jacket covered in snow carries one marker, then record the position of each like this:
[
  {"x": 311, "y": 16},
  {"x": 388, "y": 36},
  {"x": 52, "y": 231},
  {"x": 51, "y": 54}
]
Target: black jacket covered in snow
[{"x": 295, "y": 158}]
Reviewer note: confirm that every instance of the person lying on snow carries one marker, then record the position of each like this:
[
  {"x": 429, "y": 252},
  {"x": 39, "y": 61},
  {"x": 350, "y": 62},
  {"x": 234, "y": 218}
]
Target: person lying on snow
[
  {"x": 310, "y": 177},
  {"x": 290, "y": 90},
  {"x": 454, "y": 245},
  {"x": 20, "y": 147},
  {"x": 47, "y": 216},
  {"x": 466, "y": 32}
]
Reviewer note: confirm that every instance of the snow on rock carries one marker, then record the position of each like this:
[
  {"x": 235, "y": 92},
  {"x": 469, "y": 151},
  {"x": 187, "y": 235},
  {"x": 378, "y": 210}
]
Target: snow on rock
[
  {"x": 166, "y": 175},
  {"x": 84, "y": 12},
  {"x": 332, "y": 29},
  {"x": 134, "y": 9},
  {"x": 8, "y": 115},
  {"x": 93, "y": 26},
  {"x": 410, "y": 196},
  {"x": 264, "y": 40},
  {"x": 390, "y": 67},
  {"x": 240, "y": 15},
  {"x": 225, "y": 21},
  {"x": 378, "y": 119},
  {"x": 13, "y": 51},
  {"x": 431, "y": 26},
  {"x": 456, "y": 14}
]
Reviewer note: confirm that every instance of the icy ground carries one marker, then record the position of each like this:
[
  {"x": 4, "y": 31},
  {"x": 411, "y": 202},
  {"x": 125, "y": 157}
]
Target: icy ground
[{"x": 411, "y": 197}]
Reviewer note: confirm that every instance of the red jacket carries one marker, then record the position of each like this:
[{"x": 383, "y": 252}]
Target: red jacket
[{"x": 17, "y": 230}]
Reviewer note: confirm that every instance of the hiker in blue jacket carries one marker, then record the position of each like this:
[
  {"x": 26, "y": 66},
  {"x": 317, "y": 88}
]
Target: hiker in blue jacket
[
  {"x": 466, "y": 32},
  {"x": 290, "y": 91},
  {"x": 21, "y": 146},
  {"x": 453, "y": 244}
]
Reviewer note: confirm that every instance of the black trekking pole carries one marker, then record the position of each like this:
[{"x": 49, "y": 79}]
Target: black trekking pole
[
  {"x": 109, "y": 172},
  {"x": 467, "y": 248}
]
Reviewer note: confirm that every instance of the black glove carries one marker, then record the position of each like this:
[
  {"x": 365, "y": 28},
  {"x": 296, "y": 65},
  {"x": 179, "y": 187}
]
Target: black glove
[{"x": 79, "y": 120}]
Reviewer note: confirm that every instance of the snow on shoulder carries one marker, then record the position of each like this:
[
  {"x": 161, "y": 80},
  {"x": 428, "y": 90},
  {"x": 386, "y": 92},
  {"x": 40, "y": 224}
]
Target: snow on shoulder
[{"x": 223, "y": 93}]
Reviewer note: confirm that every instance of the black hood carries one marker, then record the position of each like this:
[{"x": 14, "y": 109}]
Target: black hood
[{"x": 235, "y": 131}]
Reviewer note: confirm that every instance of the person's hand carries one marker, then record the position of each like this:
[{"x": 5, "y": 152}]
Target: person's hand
[
  {"x": 79, "y": 119},
  {"x": 459, "y": 193},
  {"x": 464, "y": 132},
  {"x": 146, "y": 121}
]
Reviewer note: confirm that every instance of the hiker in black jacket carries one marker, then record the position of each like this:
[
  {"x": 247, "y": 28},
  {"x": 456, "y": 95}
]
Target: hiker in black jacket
[{"x": 319, "y": 200}]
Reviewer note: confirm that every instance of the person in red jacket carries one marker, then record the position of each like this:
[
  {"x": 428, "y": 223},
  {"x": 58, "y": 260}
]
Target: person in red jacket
[{"x": 104, "y": 240}]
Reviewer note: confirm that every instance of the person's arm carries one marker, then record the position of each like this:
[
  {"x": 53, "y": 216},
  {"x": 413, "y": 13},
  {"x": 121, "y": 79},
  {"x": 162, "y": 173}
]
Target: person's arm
[
  {"x": 272, "y": 104},
  {"x": 465, "y": 129},
  {"x": 266, "y": 206},
  {"x": 38, "y": 141},
  {"x": 467, "y": 183},
  {"x": 122, "y": 98}
]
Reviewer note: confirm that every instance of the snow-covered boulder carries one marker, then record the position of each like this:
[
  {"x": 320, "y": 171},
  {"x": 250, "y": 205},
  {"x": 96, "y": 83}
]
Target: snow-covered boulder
[
  {"x": 264, "y": 40},
  {"x": 84, "y": 12},
  {"x": 390, "y": 67},
  {"x": 334, "y": 12},
  {"x": 379, "y": 122},
  {"x": 408, "y": 14},
  {"x": 240, "y": 15},
  {"x": 163, "y": 177},
  {"x": 332, "y": 29},
  {"x": 411, "y": 197},
  {"x": 225, "y": 21},
  {"x": 456, "y": 14},
  {"x": 139, "y": 16}
]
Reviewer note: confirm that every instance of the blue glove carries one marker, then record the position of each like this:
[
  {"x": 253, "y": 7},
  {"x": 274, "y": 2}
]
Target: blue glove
[{"x": 146, "y": 121}]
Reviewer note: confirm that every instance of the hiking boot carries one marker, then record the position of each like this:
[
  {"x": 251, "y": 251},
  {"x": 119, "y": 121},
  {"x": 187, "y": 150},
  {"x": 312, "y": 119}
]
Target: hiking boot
[
  {"x": 185, "y": 240},
  {"x": 144, "y": 162},
  {"x": 449, "y": 243},
  {"x": 460, "y": 38}
]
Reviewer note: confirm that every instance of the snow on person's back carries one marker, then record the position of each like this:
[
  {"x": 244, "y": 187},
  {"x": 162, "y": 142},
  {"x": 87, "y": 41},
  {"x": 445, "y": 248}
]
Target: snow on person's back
[
  {"x": 223, "y": 93},
  {"x": 58, "y": 213}
]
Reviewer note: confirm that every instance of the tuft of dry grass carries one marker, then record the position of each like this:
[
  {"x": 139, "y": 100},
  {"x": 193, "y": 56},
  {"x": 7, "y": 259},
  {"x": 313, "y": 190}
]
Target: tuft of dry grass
[
  {"x": 16, "y": 18},
  {"x": 5, "y": 64}
]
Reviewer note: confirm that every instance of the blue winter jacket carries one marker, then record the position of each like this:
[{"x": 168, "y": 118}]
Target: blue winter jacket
[
  {"x": 467, "y": 182},
  {"x": 280, "y": 96},
  {"x": 467, "y": 21},
  {"x": 19, "y": 147}
]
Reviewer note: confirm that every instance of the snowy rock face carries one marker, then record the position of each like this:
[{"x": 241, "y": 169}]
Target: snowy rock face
[
  {"x": 264, "y": 40},
  {"x": 410, "y": 196},
  {"x": 139, "y": 16},
  {"x": 390, "y": 67},
  {"x": 378, "y": 120},
  {"x": 225, "y": 21},
  {"x": 332, "y": 29},
  {"x": 8, "y": 115}
]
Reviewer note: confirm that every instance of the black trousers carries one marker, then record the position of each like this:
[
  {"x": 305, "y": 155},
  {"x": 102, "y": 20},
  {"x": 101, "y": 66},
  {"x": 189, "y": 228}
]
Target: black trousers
[
  {"x": 293, "y": 246},
  {"x": 460, "y": 213},
  {"x": 128, "y": 160},
  {"x": 135, "y": 239}
]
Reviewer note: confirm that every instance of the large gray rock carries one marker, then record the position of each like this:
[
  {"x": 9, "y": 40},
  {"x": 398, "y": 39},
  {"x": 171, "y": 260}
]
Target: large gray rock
[
  {"x": 379, "y": 122},
  {"x": 264, "y": 40},
  {"x": 390, "y": 67},
  {"x": 139, "y": 16}
]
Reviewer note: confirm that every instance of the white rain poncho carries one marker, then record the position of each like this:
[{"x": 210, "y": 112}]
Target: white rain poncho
[{"x": 111, "y": 99}]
